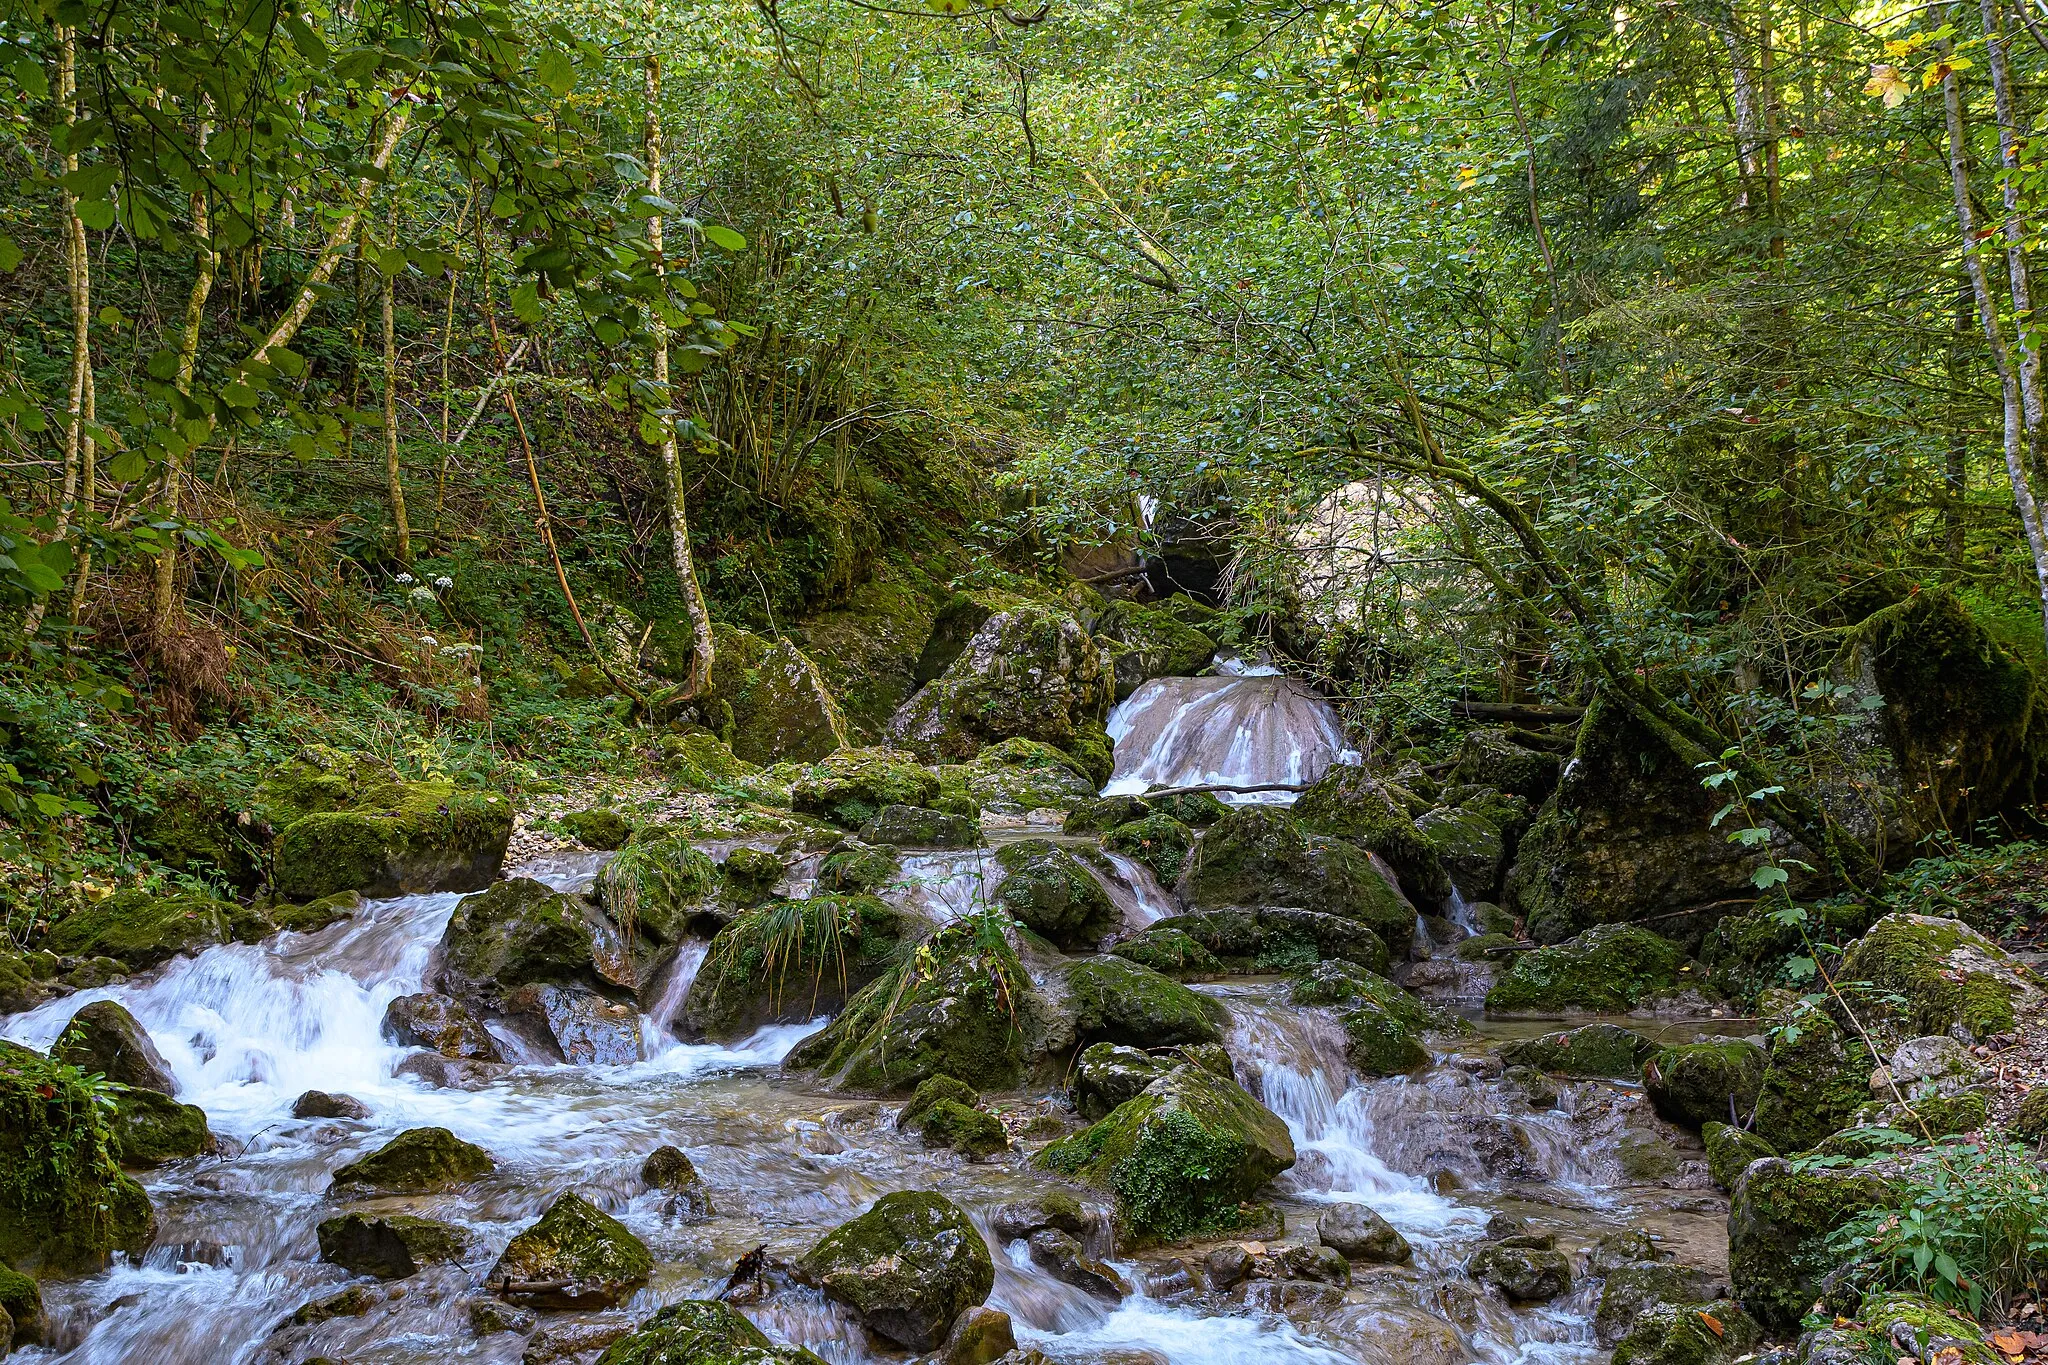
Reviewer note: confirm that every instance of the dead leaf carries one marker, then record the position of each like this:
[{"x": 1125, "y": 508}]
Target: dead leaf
[{"x": 1713, "y": 1324}]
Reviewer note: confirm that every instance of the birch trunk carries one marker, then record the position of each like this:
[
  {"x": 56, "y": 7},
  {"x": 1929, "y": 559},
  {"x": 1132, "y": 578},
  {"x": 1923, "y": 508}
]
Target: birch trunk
[
  {"x": 2015, "y": 231},
  {"x": 78, "y": 280},
  {"x": 397, "y": 488},
  {"x": 206, "y": 264}
]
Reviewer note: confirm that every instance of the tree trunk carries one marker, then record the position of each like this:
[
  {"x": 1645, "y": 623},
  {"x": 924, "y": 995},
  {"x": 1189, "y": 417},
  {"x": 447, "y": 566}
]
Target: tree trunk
[
  {"x": 2003, "y": 102},
  {"x": 398, "y": 522},
  {"x": 1956, "y": 473},
  {"x": 206, "y": 263}
]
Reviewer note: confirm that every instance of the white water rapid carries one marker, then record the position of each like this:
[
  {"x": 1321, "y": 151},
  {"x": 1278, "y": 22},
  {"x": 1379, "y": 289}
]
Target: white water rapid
[{"x": 1232, "y": 731}]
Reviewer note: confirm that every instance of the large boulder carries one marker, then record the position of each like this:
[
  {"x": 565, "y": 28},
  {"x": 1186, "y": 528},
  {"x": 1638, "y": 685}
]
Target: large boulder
[
  {"x": 907, "y": 1267},
  {"x": 1359, "y": 1234},
  {"x": 783, "y": 711},
  {"x": 1107, "y": 1074},
  {"x": 1181, "y": 1158},
  {"x": 850, "y": 787},
  {"x": 790, "y": 961},
  {"x": 1115, "y": 1000},
  {"x": 701, "y": 1332},
  {"x": 1146, "y": 642},
  {"x": 1470, "y": 846},
  {"x": 104, "y": 1037},
  {"x": 521, "y": 932},
  {"x": 1020, "y": 776},
  {"x": 1260, "y": 856},
  {"x": 389, "y": 1246},
  {"x": 140, "y": 930},
  {"x": 151, "y": 1128},
  {"x": 417, "y": 1161},
  {"x": 921, "y": 827},
  {"x": 1611, "y": 969},
  {"x": 1383, "y": 1024},
  {"x": 576, "y": 1257},
  {"x": 1817, "y": 1078},
  {"x": 1160, "y": 842},
  {"x": 1731, "y": 1151},
  {"x": 1252, "y": 942},
  {"x": 664, "y": 887},
  {"x": 401, "y": 838},
  {"x": 1698, "y": 1083},
  {"x": 1030, "y": 672},
  {"x": 435, "y": 1021},
  {"x": 1591, "y": 1050},
  {"x": 1699, "y": 1333},
  {"x": 1493, "y": 758},
  {"x": 1946, "y": 976},
  {"x": 1349, "y": 803},
  {"x": 583, "y": 1027},
  {"x": 65, "y": 1205},
  {"x": 1779, "y": 1220},
  {"x": 1523, "y": 1269},
  {"x": 1634, "y": 1287},
  {"x": 1047, "y": 890}
]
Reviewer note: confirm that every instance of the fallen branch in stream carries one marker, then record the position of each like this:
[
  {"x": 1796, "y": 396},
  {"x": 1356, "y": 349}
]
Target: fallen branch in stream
[
  {"x": 1520, "y": 713},
  {"x": 1226, "y": 787}
]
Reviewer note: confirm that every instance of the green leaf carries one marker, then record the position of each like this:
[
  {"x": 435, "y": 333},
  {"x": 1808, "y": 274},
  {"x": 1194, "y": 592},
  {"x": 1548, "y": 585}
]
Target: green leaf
[
  {"x": 556, "y": 71},
  {"x": 127, "y": 467},
  {"x": 723, "y": 237},
  {"x": 526, "y": 302},
  {"x": 1764, "y": 878},
  {"x": 28, "y": 74},
  {"x": 97, "y": 214},
  {"x": 10, "y": 254}
]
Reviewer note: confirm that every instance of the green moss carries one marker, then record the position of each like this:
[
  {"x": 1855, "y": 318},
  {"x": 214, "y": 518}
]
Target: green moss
[
  {"x": 659, "y": 882},
  {"x": 859, "y": 867},
  {"x": 784, "y": 711},
  {"x": 389, "y": 1246},
  {"x": 1260, "y": 856},
  {"x": 1147, "y": 642},
  {"x": 518, "y": 932},
  {"x": 908, "y": 1267},
  {"x": 1382, "y": 1023},
  {"x": 1046, "y": 889},
  {"x": 417, "y": 1161},
  {"x": 1018, "y": 776},
  {"x": 851, "y": 786},
  {"x": 318, "y": 779},
  {"x": 1119, "y": 1001},
  {"x": 1350, "y": 804},
  {"x": 1947, "y": 973},
  {"x": 598, "y": 827},
  {"x": 405, "y": 837},
  {"x": 1103, "y": 814},
  {"x": 921, "y": 827},
  {"x": 317, "y": 914},
  {"x": 696, "y": 758},
  {"x": 189, "y": 826},
  {"x": 65, "y": 1204},
  {"x": 789, "y": 961},
  {"x": 21, "y": 1300},
  {"x": 1592, "y": 1050},
  {"x": 1818, "y": 1077},
  {"x": 1610, "y": 969},
  {"x": 1171, "y": 952},
  {"x": 1158, "y": 841},
  {"x": 150, "y": 1129},
  {"x": 140, "y": 930},
  {"x": 1779, "y": 1219},
  {"x": 1196, "y": 810},
  {"x": 1689, "y": 1334},
  {"x": 1481, "y": 947},
  {"x": 974, "y": 1133},
  {"x": 1730, "y": 1150},
  {"x": 575, "y": 1257},
  {"x": 933, "y": 1089},
  {"x": 1225, "y": 942},
  {"x": 699, "y": 1332},
  {"x": 1700, "y": 1083},
  {"x": 2030, "y": 1122}
]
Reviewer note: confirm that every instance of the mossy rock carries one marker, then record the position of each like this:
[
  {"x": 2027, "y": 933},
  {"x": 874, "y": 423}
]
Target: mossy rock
[
  {"x": 21, "y": 1303},
  {"x": 599, "y": 827},
  {"x": 953, "y": 1009},
  {"x": 1779, "y": 1222},
  {"x": 1949, "y": 975},
  {"x": 1489, "y": 758},
  {"x": 700, "y": 1332},
  {"x": 906, "y": 1268},
  {"x": 930, "y": 1091},
  {"x": 435, "y": 1021},
  {"x": 1019, "y": 776},
  {"x": 104, "y": 1038},
  {"x": 316, "y": 915},
  {"x": 140, "y": 930},
  {"x": 1103, "y": 814},
  {"x": 1933, "y": 1329},
  {"x": 1610, "y": 969},
  {"x": 868, "y": 643},
  {"x": 1700, "y": 1083},
  {"x": 921, "y": 827},
  {"x": 1470, "y": 847},
  {"x": 1592, "y": 1050},
  {"x": 856, "y": 867},
  {"x": 318, "y": 779},
  {"x": 1146, "y": 642},
  {"x": 1116, "y": 1000},
  {"x": 23, "y": 986},
  {"x": 1633, "y": 1287},
  {"x": 518, "y": 932},
  {"x": 1730, "y": 1150},
  {"x": 389, "y": 1246},
  {"x": 1160, "y": 842},
  {"x": 188, "y": 825},
  {"x": 152, "y": 1128},
  {"x": 1107, "y": 1074},
  {"x": 1259, "y": 856},
  {"x": 696, "y": 758},
  {"x": 576, "y": 1257},
  {"x": 973, "y": 1133},
  {"x": 65, "y": 1203},
  {"x": 2030, "y": 1121},
  {"x": 1181, "y": 1159},
  {"x": 417, "y": 1161},
  {"x": 1196, "y": 810},
  {"x": 1383, "y": 1024},
  {"x": 662, "y": 885},
  {"x": 1255, "y": 942},
  {"x": 790, "y": 961},
  {"x": 1709, "y": 1333},
  {"x": 851, "y": 787},
  {"x": 784, "y": 712},
  {"x": 1349, "y": 803},
  {"x": 1817, "y": 1078},
  {"x": 414, "y": 837},
  {"x": 1522, "y": 1272},
  {"x": 1046, "y": 889}
]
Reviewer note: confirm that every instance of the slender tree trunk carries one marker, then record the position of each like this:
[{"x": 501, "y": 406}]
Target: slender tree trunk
[
  {"x": 2016, "y": 273},
  {"x": 1956, "y": 474},
  {"x": 1749, "y": 136},
  {"x": 397, "y": 487},
  {"x": 78, "y": 279},
  {"x": 702, "y": 650},
  {"x": 88, "y": 493},
  {"x": 1994, "y": 334},
  {"x": 205, "y": 265}
]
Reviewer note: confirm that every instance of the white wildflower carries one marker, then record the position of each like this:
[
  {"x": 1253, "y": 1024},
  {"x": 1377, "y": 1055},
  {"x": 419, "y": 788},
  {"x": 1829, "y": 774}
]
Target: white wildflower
[
  {"x": 405, "y": 578},
  {"x": 444, "y": 582}
]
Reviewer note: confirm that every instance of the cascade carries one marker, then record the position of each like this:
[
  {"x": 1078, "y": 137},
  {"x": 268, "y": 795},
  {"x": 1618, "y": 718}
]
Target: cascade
[{"x": 1234, "y": 731}]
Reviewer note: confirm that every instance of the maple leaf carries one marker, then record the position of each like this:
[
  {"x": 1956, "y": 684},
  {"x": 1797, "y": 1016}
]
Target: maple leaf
[{"x": 1886, "y": 81}]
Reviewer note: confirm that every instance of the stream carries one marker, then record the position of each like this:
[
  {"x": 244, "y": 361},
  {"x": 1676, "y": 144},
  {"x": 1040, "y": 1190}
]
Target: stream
[{"x": 246, "y": 1029}]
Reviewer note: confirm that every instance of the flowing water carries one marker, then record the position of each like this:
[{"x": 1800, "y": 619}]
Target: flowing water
[
  {"x": 245, "y": 1029},
  {"x": 1240, "y": 730}
]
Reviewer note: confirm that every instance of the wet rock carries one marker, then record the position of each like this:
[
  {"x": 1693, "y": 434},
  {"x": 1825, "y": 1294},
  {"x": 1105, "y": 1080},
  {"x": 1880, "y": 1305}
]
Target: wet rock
[
  {"x": 1817, "y": 1078},
  {"x": 1382, "y": 1023},
  {"x": 1020, "y": 776},
  {"x": 1160, "y": 842},
  {"x": 1115, "y": 1000},
  {"x": 1524, "y": 1274},
  {"x": 435, "y": 1021},
  {"x": 670, "y": 1170},
  {"x": 1779, "y": 1220},
  {"x": 1701, "y": 1083},
  {"x": 788, "y": 962},
  {"x": 1103, "y": 814},
  {"x": 1321, "y": 1264},
  {"x": 104, "y": 1037},
  {"x": 979, "y": 1336},
  {"x": 21, "y": 1310},
  {"x": 520, "y": 933},
  {"x": 1046, "y": 889},
  {"x": 560, "y": 1341},
  {"x": 699, "y": 1332},
  {"x": 1258, "y": 856},
  {"x": 1179, "y": 1158},
  {"x": 1297, "y": 1298},
  {"x": 857, "y": 867},
  {"x": 1631, "y": 1290},
  {"x": 389, "y": 1246},
  {"x": 139, "y": 930},
  {"x": 317, "y": 914},
  {"x": 1489, "y": 758},
  {"x": 908, "y": 1267},
  {"x": 318, "y": 1104},
  {"x": 784, "y": 712},
  {"x": 1147, "y": 642},
  {"x": 417, "y": 1161},
  {"x": 575, "y": 1257},
  {"x": 450, "y": 1073},
  {"x": 598, "y": 827},
  {"x": 1106, "y": 1075},
  {"x": 1948, "y": 976},
  {"x": 1240, "y": 942},
  {"x": 1714, "y": 1333},
  {"x": 1614, "y": 1250},
  {"x": 663, "y": 886},
  {"x": 852, "y": 786},
  {"x": 1054, "y": 1209},
  {"x": 1537, "y": 1090},
  {"x": 1730, "y": 1150},
  {"x": 1227, "y": 1267},
  {"x": 1351, "y": 804},
  {"x": 1470, "y": 846},
  {"x": 402, "y": 838},
  {"x": 351, "y": 1302},
  {"x": 974, "y": 1133},
  {"x": 489, "y": 1316},
  {"x": 1359, "y": 1234},
  {"x": 921, "y": 827},
  {"x": 1061, "y": 1256},
  {"x": 586, "y": 1028},
  {"x": 1594, "y": 1050},
  {"x": 150, "y": 1129},
  {"x": 1611, "y": 969}
]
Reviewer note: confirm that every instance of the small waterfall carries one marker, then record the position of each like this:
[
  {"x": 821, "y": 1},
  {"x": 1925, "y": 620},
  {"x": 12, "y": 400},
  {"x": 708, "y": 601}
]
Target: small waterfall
[
  {"x": 680, "y": 973},
  {"x": 1238, "y": 731},
  {"x": 947, "y": 886},
  {"x": 1135, "y": 890}
]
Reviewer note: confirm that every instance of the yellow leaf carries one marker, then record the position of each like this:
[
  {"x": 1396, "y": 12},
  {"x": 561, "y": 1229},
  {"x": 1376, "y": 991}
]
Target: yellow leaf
[
  {"x": 1713, "y": 1324},
  {"x": 1467, "y": 177},
  {"x": 1886, "y": 81}
]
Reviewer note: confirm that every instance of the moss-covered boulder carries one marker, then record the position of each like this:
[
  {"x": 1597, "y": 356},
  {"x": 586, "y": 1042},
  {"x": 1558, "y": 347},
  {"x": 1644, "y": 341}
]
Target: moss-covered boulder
[
  {"x": 1633, "y": 1287},
  {"x": 151, "y": 1128},
  {"x": 1196, "y": 810},
  {"x": 1383, "y": 1024},
  {"x": 1019, "y": 776},
  {"x": 790, "y": 961},
  {"x": 21, "y": 1310},
  {"x": 1100, "y": 815},
  {"x": 389, "y": 1246},
  {"x": 1779, "y": 1220},
  {"x": 663, "y": 886},
  {"x": 1730, "y": 1150},
  {"x": 1349, "y": 803},
  {"x": 2030, "y": 1120},
  {"x": 1699, "y": 1333},
  {"x": 1181, "y": 1159},
  {"x": 1946, "y": 974},
  {"x": 1146, "y": 642},
  {"x": 1589, "y": 1051},
  {"x": 670, "y": 1170},
  {"x": 435, "y": 1021},
  {"x": 973, "y": 1133},
  {"x": 1160, "y": 842},
  {"x": 140, "y": 930},
  {"x": 403, "y": 838},
  {"x": 695, "y": 758},
  {"x": 958, "y": 1007},
  {"x": 1255, "y": 942},
  {"x": 1523, "y": 1269},
  {"x": 65, "y": 1205},
  {"x": 1047, "y": 889},
  {"x": 855, "y": 867},
  {"x": 417, "y": 1161},
  {"x": 701, "y": 1332},
  {"x": 1116, "y": 1000},
  {"x": 104, "y": 1038},
  {"x": 520, "y": 932},
  {"x": 1817, "y": 1078},
  {"x": 1107, "y": 1074},
  {"x": 576, "y": 1257},
  {"x": 906, "y": 1268},
  {"x": 1259, "y": 856},
  {"x": 851, "y": 786},
  {"x": 598, "y": 827},
  {"x": 783, "y": 711},
  {"x": 1611, "y": 969},
  {"x": 1030, "y": 672},
  {"x": 921, "y": 827},
  {"x": 191, "y": 825},
  {"x": 1700, "y": 1083},
  {"x": 1470, "y": 846},
  {"x": 1492, "y": 758}
]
